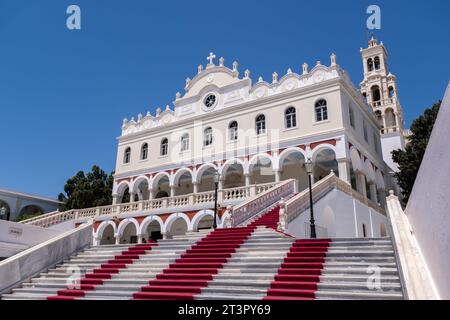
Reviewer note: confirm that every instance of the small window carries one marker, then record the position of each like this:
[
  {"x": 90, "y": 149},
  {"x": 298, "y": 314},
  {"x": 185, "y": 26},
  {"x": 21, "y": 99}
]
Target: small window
[
  {"x": 391, "y": 92},
  {"x": 290, "y": 117},
  {"x": 375, "y": 143},
  {"x": 207, "y": 137},
  {"x": 233, "y": 130},
  {"x": 144, "y": 151},
  {"x": 321, "y": 110},
  {"x": 127, "y": 155},
  {"x": 376, "y": 95},
  {"x": 184, "y": 142},
  {"x": 377, "y": 63},
  {"x": 365, "y": 132},
  {"x": 370, "y": 64},
  {"x": 351, "y": 116},
  {"x": 364, "y": 230},
  {"x": 164, "y": 147},
  {"x": 260, "y": 124}
]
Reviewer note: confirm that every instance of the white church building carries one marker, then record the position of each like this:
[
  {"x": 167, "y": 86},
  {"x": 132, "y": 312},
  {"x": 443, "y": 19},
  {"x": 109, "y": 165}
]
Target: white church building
[
  {"x": 256, "y": 135},
  {"x": 219, "y": 196}
]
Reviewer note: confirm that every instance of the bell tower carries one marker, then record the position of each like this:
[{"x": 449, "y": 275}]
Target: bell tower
[{"x": 379, "y": 87}]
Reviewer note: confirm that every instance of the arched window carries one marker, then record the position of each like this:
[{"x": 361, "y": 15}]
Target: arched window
[
  {"x": 379, "y": 118},
  {"x": 233, "y": 130},
  {"x": 164, "y": 147},
  {"x": 377, "y": 63},
  {"x": 184, "y": 142},
  {"x": 291, "y": 117},
  {"x": 391, "y": 92},
  {"x": 260, "y": 124},
  {"x": 321, "y": 110},
  {"x": 370, "y": 64},
  {"x": 351, "y": 116},
  {"x": 127, "y": 155},
  {"x": 365, "y": 132},
  {"x": 207, "y": 137},
  {"x": 376, "y": 96},
  {"x": 144, "y": 151}
]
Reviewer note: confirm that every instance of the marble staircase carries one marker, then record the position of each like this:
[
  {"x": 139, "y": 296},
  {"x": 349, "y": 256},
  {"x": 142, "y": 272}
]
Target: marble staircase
[{"x": 252, "y": 262}]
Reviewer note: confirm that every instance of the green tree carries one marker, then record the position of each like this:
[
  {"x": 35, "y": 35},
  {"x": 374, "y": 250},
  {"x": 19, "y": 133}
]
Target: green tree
[
  {"x": 88, "y": 190},
  {"x": 409, "y": 160}
]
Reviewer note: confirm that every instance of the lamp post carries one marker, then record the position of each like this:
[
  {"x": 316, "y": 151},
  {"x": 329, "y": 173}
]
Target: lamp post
[
  {"x": 216, "y": 183},
  {"x": 309, "y": 166}
]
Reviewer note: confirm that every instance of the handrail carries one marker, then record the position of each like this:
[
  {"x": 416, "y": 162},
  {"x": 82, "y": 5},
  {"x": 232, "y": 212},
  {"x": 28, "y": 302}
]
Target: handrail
[
  {"x": 199, "y": 198},
  {"x": 255, "y": 205},
  {"x": 300, "y": 202},
  {"x": 26, "y": 221}
]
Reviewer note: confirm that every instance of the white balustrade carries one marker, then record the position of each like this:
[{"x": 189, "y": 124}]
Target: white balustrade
[
  {"x": 301, "y": 202},
  {"x": 204, "y": 197},
  {"x": 253, "y": 206},
  {"x": 264, "y": 194}
]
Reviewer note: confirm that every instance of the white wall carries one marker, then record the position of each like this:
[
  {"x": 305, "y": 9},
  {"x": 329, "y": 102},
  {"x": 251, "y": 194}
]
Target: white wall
[
  {"x": 342, "y": 216},
  {"x": 428, "y": 208},
  {"x": 390, "y": 142},
  {"x": 29, "y": 263},
  {"x": 14, "y": 237}
]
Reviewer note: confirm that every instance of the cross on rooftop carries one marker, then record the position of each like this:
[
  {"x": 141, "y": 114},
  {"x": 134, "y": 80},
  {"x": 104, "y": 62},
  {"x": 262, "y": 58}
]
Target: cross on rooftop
[{"x": 211, "y": 57}]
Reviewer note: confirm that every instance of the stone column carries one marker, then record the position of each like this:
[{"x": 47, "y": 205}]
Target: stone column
[
  {"x": 151, "y": 195},
  {"x": 115, "y": 198},
  {"x": 277, "y": 176},
  {"x": 195, "y": 187},
  {"x": 361, "y": 183},
  {"x": 247, "y": 180},
  {"x": 132, "y": 197},
  {"x": 344, "y": 170},
  {"x": 172, "y": 191},
  {"x": 117, "y": 239},
  {"x": 373, "y": 192},
  {"x": 384, "y": 123}
]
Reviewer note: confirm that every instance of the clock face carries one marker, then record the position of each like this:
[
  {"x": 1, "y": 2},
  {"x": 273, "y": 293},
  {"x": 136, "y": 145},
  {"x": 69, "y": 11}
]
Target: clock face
[{"x": 210, "y": 101}]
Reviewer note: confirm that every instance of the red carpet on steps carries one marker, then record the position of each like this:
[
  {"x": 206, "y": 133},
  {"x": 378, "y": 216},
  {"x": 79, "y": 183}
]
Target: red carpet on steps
[
  {"x": 300, "y": 271},
  {"x": 269, "y": 220},
  {"x": 190, "y": 273},
  {"x": 90, "y": 280}
]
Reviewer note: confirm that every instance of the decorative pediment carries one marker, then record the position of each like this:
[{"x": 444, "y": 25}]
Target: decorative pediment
[{"x": 215, "y": 87}]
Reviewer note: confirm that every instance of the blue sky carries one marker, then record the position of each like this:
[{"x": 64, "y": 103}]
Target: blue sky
[{"x": 63, "y": 94}]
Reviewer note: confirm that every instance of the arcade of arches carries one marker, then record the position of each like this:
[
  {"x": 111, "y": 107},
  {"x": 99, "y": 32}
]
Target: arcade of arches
[{"x": 260, "y": 169}]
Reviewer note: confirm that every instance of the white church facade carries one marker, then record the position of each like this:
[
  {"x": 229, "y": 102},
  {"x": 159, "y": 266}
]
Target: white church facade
[{"x": 253, "y": 136}]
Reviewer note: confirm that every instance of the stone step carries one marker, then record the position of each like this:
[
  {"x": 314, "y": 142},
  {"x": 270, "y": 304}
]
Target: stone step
[{"x": 374, "y": 295}]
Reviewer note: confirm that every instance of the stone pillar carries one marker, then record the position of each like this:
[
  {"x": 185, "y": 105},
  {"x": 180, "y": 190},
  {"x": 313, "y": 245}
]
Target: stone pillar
[
  {"x": 139, "y": 238},
  {"x": 117, "y": 239},
  {"x": 151, "y": 195},
  {"x": 195, "y": 187},
  {"x": 132, "y": 197},
  {"x": 115, "y": 198},
  {"x": 172, "y": 191},
  {"x": 344, "y": 170},
  {"x": 361, "y": 183},
  {"x": 384, "y": 123},
  {"x": 373, "y": 192},
  {"x": 277, "y": 176},
  {"x": 247, "y": 180}
]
